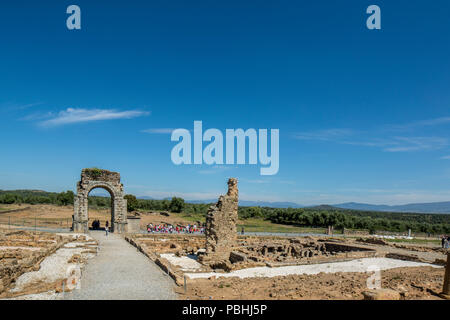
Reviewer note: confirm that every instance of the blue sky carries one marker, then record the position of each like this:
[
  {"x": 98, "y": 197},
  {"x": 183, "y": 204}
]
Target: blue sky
[{"x": 364, "y": 115}]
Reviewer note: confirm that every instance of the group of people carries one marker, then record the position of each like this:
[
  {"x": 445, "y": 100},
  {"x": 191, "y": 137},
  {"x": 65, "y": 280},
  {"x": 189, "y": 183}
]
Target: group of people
[
  {"x": 168, "y": 228},
  {"x": 445, "y": 242},
  {"x": 96, "y": 225}
]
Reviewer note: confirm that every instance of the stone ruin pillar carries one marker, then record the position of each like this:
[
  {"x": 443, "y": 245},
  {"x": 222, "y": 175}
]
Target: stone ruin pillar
[{"x": 221, "y": 232}]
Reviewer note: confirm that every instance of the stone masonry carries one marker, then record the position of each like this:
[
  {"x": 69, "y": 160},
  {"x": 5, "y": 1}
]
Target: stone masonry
[
  {"x": 220, "y": 229},
  {"x": 110, "y": 181}
]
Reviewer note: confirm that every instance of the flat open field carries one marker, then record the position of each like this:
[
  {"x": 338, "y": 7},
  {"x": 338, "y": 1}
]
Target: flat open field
[
  {"x": 44, "y": 215},
  {"x": 61, "y": 216}
]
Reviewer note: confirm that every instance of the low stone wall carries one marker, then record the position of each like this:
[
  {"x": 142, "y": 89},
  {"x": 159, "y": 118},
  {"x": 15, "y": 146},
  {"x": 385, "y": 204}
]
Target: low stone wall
[
  {"x": 161, "y": 262},
  {"x": 16, "y": 261}
]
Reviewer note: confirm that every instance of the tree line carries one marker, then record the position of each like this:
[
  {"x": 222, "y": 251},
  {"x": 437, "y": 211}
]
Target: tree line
[
  {"x": 353, "y": 219},
  {"x": 321, "y": 216}
]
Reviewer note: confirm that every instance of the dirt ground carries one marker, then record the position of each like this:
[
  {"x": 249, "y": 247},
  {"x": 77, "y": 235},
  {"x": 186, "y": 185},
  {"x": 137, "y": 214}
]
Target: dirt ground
[
  {"x": 62, "y": 215},
  {"x": 37, "y": 262},
  {"x": 421, "y": 283},
  {"x": 412, "y": 283}
]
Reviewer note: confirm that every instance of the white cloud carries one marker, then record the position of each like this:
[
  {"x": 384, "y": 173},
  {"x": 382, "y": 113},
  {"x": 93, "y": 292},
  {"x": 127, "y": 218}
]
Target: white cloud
[
  {"x": 12, "y": 106},
  {"x": 418, "y": 143},
  {"x": 386, "y": 197},
  {"x": 215, "y": 169},
  {"x": 422, "y": 123},
  {"x": 158, "y": 130},
  {"x": 74, "y": 115},
  {"x": 324, "y": 135},
  {"x": 367, "y": 139},
  {"x": 185, "y": 195}
]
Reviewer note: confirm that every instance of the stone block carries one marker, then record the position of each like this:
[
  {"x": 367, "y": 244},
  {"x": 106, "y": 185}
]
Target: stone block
[{"x": 381, "y": 294}]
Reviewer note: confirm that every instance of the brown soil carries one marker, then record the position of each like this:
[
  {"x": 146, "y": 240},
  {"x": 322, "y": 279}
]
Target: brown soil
[
  {"x": 61, "y": 216},
  {"x": 422, "y": 283}
]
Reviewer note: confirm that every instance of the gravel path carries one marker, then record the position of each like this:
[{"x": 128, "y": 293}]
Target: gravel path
[{"x": 121, "y": 272}]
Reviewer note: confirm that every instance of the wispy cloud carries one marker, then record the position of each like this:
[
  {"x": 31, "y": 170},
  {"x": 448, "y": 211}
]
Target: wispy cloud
[
  {"x": 418, "y": 124},
  {"x": 367, "y": 139},
  {"x": 185, "y": 195},
  {"x": 324, "y": 135},
  {"x": 38, "y": 116},
  {"x": 257, "y": 181},
  {"x": 372, "y": 196},
  {"x": 418, "y": 144},
  {"x": 158, "y": 130},
  {"x": 215, "y": 169},
  {"x": 18, "y": 106},
  {"x": 266, "y": 181},
  {"x": 74, "y": 115}
]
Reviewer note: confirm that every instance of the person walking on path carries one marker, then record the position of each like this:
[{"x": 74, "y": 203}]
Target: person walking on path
[{"x": 107, "y": 227}]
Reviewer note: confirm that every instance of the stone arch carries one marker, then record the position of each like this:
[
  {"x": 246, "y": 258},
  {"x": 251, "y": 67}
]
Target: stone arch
[{"x": 108, "y": 180}]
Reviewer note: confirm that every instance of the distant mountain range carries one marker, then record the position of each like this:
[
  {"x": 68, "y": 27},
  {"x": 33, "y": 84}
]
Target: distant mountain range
[
  {"x": 246, "y": 203},
  {"x": 431, "y": 207}
]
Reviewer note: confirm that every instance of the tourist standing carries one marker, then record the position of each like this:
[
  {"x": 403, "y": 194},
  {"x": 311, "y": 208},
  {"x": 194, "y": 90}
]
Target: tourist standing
[{"x": 107, "y": 227}]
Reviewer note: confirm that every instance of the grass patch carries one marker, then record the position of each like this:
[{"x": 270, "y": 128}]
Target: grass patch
[
  {"x": 256, "y": 225},
  {"x": 261, "y": 225},
  {"x": 191, "y": 217}
]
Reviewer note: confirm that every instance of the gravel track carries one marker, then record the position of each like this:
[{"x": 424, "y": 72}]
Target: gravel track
[{"x": 120, "y": 272}]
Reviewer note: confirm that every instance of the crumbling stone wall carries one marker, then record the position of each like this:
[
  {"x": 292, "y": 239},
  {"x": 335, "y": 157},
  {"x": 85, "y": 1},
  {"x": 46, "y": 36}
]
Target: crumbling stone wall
[
  {"x": 220, "y": 229},
  {"x": 108, "y": 180}
]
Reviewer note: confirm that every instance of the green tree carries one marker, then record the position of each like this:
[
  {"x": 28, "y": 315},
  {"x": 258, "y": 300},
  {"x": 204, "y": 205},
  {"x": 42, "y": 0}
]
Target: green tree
[
  {"x": 132, "y": 202},
  {"x": 8, "y": 198},
  {"x": 176, "y": 205},
  {"x": 65, "y": 198}
]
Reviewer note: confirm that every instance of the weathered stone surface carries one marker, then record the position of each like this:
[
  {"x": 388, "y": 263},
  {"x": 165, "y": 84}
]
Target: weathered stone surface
[
  {"x": 446, "y": 288},
  {"x": 236, "y": 257},
  {"x": 133, "y": 224},
  {"x": 220, "y": 229},
  {"x": 381, "y": 294},
  {"x": 110, "y": 181}
]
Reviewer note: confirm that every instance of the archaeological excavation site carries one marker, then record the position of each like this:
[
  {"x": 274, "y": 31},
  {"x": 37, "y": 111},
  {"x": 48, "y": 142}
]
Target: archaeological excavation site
[
  {"x": 225, "y": 265},
  {"x": 219, "y": 262}
]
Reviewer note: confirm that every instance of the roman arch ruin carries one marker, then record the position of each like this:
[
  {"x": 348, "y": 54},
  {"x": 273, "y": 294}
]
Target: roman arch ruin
[{"x": 110, "y": 181}]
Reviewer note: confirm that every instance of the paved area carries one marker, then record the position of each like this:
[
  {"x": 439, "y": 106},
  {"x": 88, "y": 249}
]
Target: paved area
[{"x": 120, "y": 272}]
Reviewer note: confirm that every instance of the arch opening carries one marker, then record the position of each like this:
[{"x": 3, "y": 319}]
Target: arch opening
[{"x": 100, "y": 208}]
